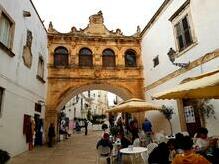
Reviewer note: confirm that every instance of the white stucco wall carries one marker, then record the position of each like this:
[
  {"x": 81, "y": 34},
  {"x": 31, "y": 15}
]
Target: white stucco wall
[
  {"x": 22, "y": 88},
  {"x": 160, "y": 38}
]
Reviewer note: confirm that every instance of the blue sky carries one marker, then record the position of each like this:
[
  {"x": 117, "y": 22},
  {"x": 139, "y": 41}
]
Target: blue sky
[{"x": 123, "y": 14}]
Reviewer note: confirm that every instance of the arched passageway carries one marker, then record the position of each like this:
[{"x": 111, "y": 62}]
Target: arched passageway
[{"x": 95, "y": 58}]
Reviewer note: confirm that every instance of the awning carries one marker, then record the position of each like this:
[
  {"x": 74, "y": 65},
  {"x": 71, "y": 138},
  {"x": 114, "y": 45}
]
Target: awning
[
  {"x": 134, "y": 105},
  {"x": 203, "y": 86}
]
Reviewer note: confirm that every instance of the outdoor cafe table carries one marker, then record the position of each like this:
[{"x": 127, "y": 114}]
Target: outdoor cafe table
[{"x": 133, "y": 151}]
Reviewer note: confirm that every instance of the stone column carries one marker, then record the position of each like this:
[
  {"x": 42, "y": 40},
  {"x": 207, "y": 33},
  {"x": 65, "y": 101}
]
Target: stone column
[{"x": 181, "y": 115}]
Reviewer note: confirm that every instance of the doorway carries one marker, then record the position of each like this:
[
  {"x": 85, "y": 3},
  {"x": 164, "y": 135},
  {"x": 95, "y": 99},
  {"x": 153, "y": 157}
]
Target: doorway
[{"x": 192, "y": 116}]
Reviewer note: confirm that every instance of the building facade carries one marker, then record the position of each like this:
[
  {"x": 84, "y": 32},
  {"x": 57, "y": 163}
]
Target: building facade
[
  {"x": 93, "y": 58},
  {"x": 96, "y": 101},
  {"x": 23, "y": 73},
  {"x": 187, "y": 30}
]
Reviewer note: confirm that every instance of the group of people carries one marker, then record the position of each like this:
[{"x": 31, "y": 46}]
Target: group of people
[
  {"x": 51, "y": 131},
  {"x": 180, "y": 149}
]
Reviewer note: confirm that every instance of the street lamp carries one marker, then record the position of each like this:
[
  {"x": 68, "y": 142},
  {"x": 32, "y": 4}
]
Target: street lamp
[
  {"x": 171, "y": 54},
  {"x": 41, "y": 102}
]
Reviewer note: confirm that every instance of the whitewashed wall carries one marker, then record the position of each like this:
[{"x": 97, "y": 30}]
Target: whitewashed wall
[
  {"x": 159, "y": 39},
  {"x": 22, "y": 89}
]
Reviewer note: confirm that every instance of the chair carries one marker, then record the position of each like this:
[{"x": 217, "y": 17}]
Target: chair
[
  {"x": 185, "y": 133},
  {"x": 160, "y": 137},
  {"x": 103, "y": 153}
]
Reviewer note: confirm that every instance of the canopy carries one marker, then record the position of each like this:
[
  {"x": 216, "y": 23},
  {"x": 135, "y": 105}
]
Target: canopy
[
  {"x": 203, "y": 86},
  {"x": 134, "y": 105}
]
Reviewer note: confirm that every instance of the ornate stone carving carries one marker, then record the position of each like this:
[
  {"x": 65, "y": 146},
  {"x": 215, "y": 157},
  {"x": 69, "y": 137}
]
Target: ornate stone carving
[
  {"x": 97, "y": 18},
  {"x": 51, "y": 28},
  {"x": 73, "y": 29},
  {"x": 118, "y": 32},
  {"x": 27, "y": 54},
  {"x": 138, "y": 32}
]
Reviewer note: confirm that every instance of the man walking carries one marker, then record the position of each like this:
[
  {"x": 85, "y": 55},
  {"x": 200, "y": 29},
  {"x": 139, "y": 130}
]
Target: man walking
[
  {"x": 85, "y": 126},
  {"x": 147, "y": 127},
  {"x": 51, "y": 134}
]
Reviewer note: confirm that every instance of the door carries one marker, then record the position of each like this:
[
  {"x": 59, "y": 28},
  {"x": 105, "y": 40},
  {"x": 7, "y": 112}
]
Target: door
[{"x": 192, "y": 116}]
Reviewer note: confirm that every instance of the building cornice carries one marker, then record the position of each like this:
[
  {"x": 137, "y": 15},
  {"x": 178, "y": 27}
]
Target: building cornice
[
  {"x": 72, "y": 37},
  {"x": 38, "y": 15},
  {"x": 204, "y": 59},
  {"x": 154, "y": 17}
]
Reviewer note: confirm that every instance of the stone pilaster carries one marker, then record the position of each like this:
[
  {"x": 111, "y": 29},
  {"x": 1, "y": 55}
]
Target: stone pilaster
[{"x": 51, "y": 116}]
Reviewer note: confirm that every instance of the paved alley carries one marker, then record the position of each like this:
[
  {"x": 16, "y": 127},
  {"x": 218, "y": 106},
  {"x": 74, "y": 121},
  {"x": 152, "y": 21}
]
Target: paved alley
[{"x": 79, "y": 149}]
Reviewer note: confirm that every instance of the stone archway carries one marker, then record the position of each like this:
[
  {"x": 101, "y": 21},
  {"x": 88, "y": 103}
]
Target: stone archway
[
  {"x": 57, "y": 99},
  {"x": 67, "y": 80},
  {"x": 121, "y": 92}
]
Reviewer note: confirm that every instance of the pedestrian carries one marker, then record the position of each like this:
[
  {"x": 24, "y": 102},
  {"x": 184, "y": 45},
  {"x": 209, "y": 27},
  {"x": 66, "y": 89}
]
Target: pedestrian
[
  {"x": 85, "y": 126},
  {"x": 147, "y": 128},
  {"x": 51, "y": 134},
  {"x": 105, "y": 142}
]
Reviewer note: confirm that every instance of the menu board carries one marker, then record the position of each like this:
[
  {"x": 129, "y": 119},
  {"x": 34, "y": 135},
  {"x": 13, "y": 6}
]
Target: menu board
[{"x": 189, "y": 114}]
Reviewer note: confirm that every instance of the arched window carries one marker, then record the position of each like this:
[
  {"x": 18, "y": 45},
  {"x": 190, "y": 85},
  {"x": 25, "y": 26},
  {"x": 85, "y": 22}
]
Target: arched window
[
  {"x": 85, "y": 57},
  {"x": 108, "y": 58},
  {"x": 61, "y": 56},
  {"x": 130, "y": 58}
]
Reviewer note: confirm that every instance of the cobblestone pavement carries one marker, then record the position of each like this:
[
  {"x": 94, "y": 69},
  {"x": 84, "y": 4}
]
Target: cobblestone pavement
[{"x": 79, "y": 149}]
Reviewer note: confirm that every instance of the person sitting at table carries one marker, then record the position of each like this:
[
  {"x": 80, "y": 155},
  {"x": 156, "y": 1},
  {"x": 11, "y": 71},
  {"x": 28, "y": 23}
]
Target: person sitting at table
[
  {"x": 123, "y": 140},
  {"x": 189, "y": 156},
  {"x": 160, "y": 155},
  {"x": 172, "y": 148},
  {"x": 133, "y": 127},
  {"x": 140, "y": 141},
  {"x": 201, "y": 140},
  {"x": 178, "y": 143},
  {"x": 105, "y": 142}
]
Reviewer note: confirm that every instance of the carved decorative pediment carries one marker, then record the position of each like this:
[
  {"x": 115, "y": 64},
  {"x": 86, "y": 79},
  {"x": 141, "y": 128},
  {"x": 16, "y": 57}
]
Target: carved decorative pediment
[
  {"x": 27, "y": 54},
  {"x": 51, "y": 29},
  {"x": 95, "y": 27}
]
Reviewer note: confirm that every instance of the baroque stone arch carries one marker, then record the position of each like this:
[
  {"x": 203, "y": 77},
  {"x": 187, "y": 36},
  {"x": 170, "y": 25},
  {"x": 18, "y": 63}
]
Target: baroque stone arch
[
  {"x": 65, "y": 82},
  {"x": 120, "y": 91}
]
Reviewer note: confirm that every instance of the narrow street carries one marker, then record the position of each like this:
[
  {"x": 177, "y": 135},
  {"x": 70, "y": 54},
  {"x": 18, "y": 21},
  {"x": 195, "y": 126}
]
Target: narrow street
[{"x": 79, "y": 149}]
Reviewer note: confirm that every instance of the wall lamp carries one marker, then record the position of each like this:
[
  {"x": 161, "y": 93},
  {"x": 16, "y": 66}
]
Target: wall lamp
[
  {"x": 172, "y": 54},
  {"x": 41, "y": 102}
]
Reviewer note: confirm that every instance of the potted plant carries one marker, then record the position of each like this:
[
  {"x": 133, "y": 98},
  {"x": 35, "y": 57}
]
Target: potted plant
[
  {"x": 168, "y": 112},
  {"x": 206, "y": 110}
]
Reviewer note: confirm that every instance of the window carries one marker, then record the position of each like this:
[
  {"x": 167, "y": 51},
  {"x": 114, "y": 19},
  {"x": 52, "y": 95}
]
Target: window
[
  {"x": 156, "y": 61},
  {"x": 6, "y": 30},
  {"x": 108, "y": 58},
  {"x": 1, "y": 99},
  {"x": 61, "y": 56},
  {"x": 183, "y": 33},
  {"x": 183, "y": 29},
  {"x": 85, "y": 57},
  {"x": 40, "y": 70},
  {"x": 130, "y": 58},
  {"x": 38, "y": 107}
]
